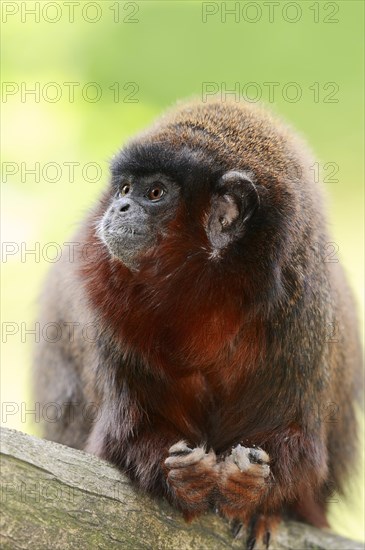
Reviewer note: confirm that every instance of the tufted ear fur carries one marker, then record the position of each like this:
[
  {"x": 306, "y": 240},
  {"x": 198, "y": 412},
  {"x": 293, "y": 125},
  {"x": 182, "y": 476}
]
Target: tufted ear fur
[{"x": 233, "y": 204}]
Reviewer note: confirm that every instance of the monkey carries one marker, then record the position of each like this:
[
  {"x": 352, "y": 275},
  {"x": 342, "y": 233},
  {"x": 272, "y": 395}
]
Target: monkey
[{"x": 214, "y": 378}]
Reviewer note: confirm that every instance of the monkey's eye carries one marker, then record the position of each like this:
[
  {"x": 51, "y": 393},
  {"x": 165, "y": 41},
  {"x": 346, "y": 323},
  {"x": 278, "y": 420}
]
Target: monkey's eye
[
  {"x": 155, "y": 193},
  {"x": 125, "y": 190}
]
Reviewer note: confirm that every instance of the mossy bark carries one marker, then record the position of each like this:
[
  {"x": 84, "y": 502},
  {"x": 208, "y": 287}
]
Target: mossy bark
[{"x": 56, "y": 497}]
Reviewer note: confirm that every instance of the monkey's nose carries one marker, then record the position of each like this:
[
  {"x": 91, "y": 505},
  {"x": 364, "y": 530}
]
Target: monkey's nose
[{"x": 124, "y": 208}]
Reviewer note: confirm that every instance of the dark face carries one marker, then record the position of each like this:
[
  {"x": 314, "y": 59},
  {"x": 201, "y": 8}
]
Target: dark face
[
  {"x": 138, "y": 214},
  {"x": 143, "y": 205}
]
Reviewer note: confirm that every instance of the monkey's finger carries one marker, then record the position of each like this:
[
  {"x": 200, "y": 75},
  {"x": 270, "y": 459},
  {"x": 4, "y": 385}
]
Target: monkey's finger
[
  {"x": 252, "y": 461},
  {"x": 258, "y": 456},
  {"x": 180, "y": 448},
  {"x": 184, "y": 460}
]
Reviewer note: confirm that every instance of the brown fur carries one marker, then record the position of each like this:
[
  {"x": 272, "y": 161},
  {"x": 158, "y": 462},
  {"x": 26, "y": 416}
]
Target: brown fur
[{"x": 215, "y": 352}]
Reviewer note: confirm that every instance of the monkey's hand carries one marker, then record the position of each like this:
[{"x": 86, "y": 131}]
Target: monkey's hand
[
  {"x": 191, "y": 477},
  {"x": 242, "y": 483}
]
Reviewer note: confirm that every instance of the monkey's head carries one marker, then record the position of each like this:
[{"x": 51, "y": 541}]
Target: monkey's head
[
  {"x": 224, "y": 183},
  {"x": 142, "y": 205}
]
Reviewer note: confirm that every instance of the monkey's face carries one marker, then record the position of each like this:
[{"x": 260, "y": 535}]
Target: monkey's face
[
  {"x": 212, "y": 184},
  {"x": 142, "y": 206},
  {"x": 138, "y": 213}
]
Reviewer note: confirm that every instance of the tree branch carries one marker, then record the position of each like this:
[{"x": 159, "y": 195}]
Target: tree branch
[{"x": 56, "y": 497}]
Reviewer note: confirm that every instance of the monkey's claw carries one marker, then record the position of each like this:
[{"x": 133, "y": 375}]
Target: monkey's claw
[{"x": 260, "y": 531}]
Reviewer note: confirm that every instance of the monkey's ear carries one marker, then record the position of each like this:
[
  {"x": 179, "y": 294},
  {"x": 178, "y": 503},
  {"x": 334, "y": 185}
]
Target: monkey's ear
[{"x": 235, "y": 201}]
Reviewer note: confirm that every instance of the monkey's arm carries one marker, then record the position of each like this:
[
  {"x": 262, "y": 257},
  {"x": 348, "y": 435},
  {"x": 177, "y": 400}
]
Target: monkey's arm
[
  {"x": 251, "y": 476},
  {"x": 282, "y": 414},
  {"x": 256, "y": 490},
  {"x": 281, "y": 457},
  {"x": 155, "y": 457}
]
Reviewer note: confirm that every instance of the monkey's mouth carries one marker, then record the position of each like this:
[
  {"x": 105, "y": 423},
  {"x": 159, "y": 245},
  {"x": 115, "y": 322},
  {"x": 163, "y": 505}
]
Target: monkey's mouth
[
  {"x": 124, "y": 231},
  {"x": 108, "y": 230},
  {"x": 124, "y": 240}
]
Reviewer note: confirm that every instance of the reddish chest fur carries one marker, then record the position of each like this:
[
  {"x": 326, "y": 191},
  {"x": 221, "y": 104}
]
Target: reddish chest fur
[{"x": 186, "y": 326}]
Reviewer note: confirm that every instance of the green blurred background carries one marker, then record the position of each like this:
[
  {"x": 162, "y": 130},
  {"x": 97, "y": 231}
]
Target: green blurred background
[{"x": 154, "y": 53}]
